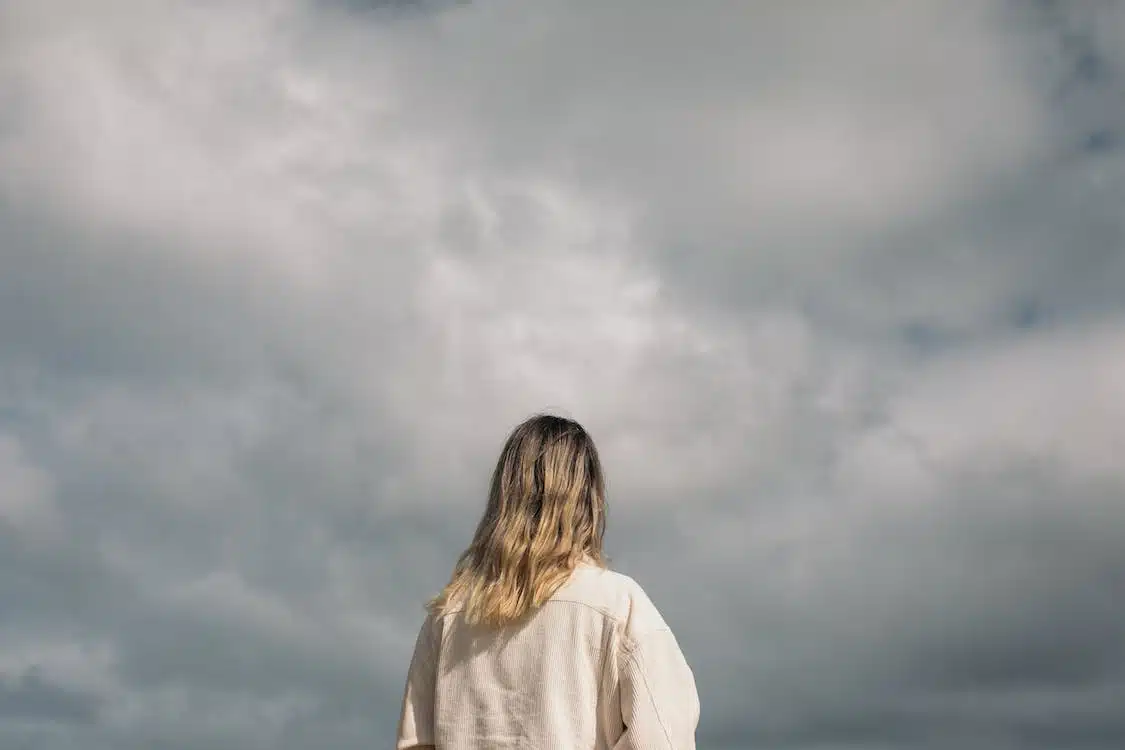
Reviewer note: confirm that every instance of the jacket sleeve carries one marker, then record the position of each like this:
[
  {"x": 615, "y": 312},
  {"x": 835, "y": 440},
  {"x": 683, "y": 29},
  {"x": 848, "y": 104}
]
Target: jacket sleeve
[
  {"x": 659, "y": 702},
  {"x": 416, "y": 722}
]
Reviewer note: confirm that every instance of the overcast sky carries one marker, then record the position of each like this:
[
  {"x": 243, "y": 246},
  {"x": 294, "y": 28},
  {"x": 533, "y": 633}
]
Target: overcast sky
[{"x": 838, "y": 288}]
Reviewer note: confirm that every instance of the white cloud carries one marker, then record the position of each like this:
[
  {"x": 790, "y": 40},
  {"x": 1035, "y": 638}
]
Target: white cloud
[
  {"x": 26, "y": 493},
  {"x": 1057, "y": 399}
]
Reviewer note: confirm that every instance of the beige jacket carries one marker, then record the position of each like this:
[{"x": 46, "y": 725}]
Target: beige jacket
[{"x": 595, "y": 668}]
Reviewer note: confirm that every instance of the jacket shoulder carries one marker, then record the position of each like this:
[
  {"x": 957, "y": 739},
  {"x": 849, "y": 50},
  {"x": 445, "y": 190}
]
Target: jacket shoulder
[{"x": 617, "y": 596}]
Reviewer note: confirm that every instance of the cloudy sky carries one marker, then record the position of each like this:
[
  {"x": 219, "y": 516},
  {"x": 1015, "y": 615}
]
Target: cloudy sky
[{"x": 839, "y": 289}]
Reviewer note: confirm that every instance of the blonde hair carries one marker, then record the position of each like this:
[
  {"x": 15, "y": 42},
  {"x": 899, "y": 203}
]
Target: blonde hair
[{"x": 546, "y": 514}]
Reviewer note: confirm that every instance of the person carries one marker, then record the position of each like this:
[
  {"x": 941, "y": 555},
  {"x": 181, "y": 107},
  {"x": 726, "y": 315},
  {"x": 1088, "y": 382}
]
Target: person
[{"x": 535, "y": 643}]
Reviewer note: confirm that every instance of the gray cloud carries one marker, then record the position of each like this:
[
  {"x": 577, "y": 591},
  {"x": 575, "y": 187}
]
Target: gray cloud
[
  {"x": 29, "y": 697},
  {"x": 836, "y": 289}
]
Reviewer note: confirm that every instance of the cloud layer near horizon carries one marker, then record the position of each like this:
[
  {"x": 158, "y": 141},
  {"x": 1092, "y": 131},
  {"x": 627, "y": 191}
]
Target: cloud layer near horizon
[{"x": 838, "y": 291}]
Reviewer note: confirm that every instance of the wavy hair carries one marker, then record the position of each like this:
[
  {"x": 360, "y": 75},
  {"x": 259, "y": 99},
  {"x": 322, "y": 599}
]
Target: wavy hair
[{"x": 546, "y": 513}]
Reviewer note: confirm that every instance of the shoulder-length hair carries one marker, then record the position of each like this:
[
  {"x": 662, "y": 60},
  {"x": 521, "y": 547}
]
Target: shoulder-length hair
[{"x": 546, "y": 513}]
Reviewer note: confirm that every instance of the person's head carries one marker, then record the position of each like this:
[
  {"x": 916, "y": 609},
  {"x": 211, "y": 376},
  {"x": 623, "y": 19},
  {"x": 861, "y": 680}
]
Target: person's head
[{"x": 546, "y": 513}]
